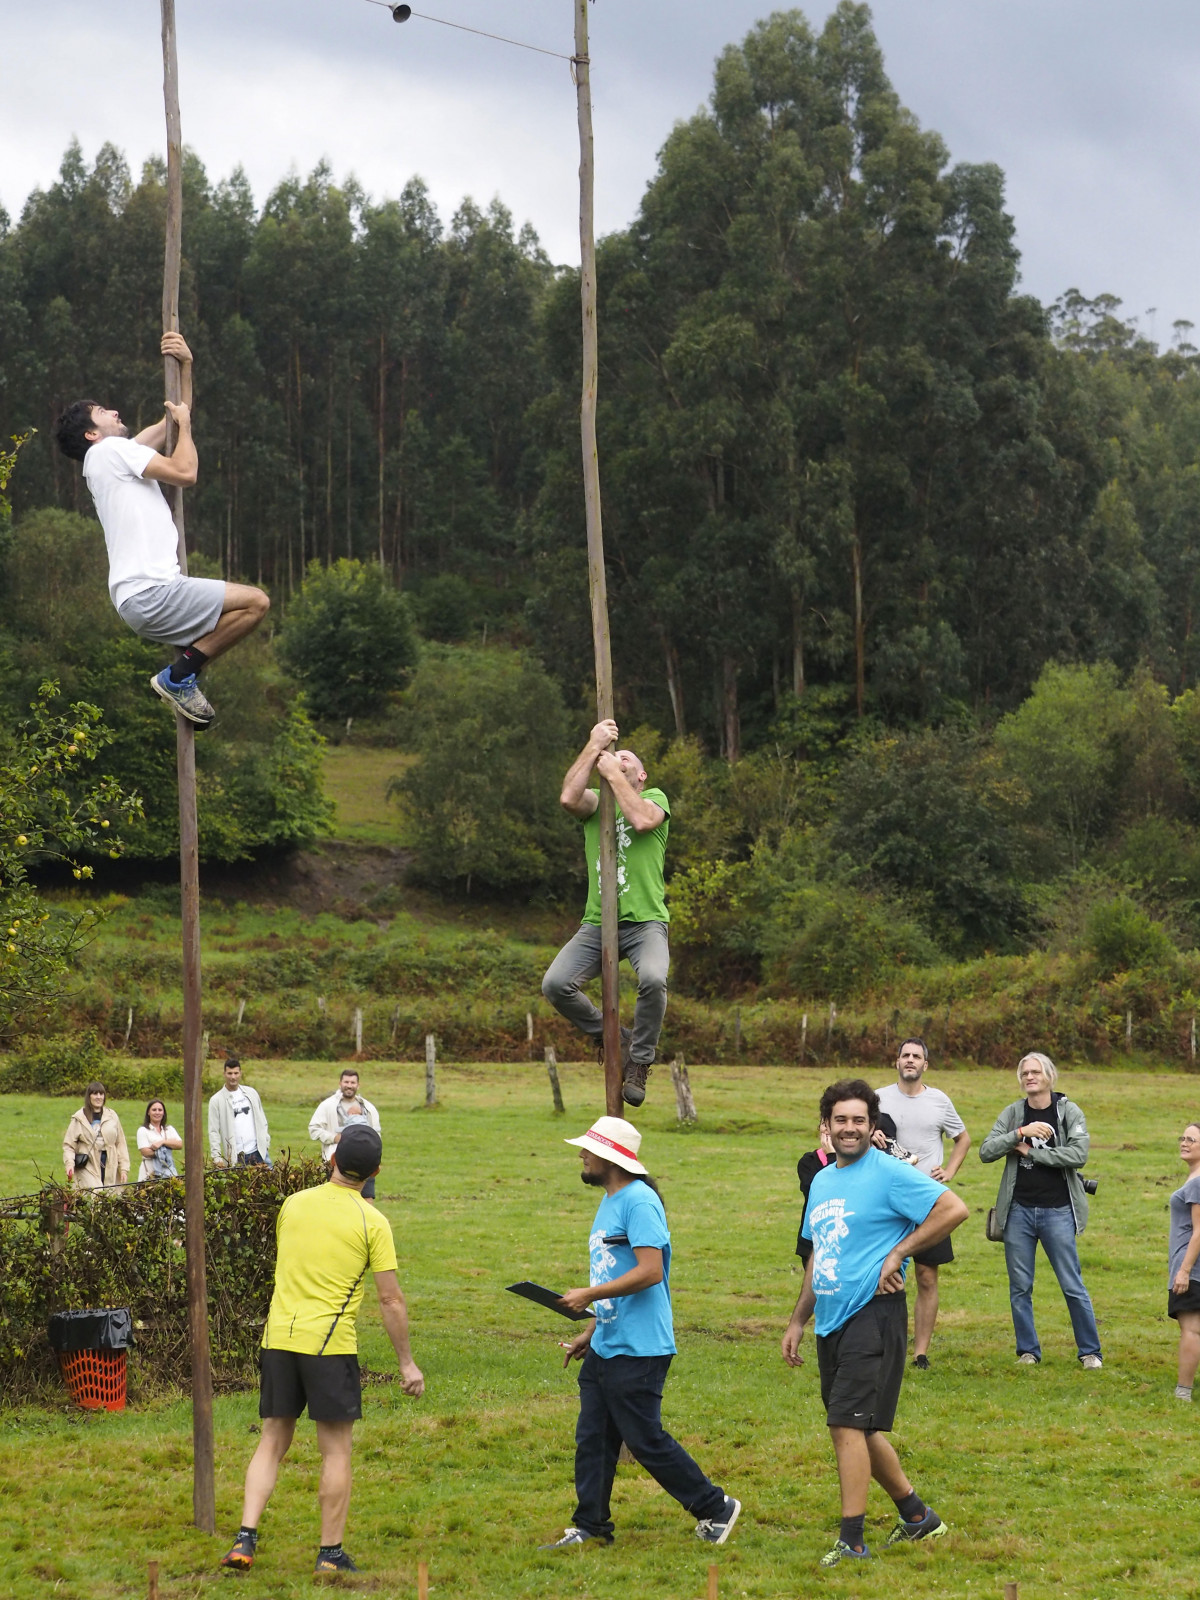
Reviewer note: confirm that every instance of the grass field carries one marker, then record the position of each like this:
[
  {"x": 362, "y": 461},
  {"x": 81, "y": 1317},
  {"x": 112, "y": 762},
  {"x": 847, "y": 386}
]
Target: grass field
[
  {"x": 1080, "y": 1485},
  {"x": 356, "y": 780}
]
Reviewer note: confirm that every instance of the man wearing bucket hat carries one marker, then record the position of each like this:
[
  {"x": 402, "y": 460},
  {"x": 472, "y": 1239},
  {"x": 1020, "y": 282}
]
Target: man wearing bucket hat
[
  {"x": 309, "y": 1347},
  {"x": 626, "y": 1349}
]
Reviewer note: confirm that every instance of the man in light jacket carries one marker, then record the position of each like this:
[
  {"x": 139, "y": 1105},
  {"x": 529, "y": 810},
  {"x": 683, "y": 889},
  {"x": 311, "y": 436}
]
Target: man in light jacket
[
  {"x": 343, "y": 1109},
  {"x": 237, "y": 1127}
]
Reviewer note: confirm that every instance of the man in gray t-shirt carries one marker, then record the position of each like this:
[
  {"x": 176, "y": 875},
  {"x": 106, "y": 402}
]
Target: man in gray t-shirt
[{"x": 924, "y": 1117}]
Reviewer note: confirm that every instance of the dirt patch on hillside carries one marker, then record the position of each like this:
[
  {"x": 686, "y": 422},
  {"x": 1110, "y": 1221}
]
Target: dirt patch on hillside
[{"x": 348, "y": 880}]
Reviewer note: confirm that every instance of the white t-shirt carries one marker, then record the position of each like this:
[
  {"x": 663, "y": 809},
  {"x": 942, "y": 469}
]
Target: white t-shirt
[
  {"x": 245, "y": 1138},
  {"x": 144, "y": 1136},
  {"x": 143, "y": 546},
  {"x": 921, "y": 1120}
]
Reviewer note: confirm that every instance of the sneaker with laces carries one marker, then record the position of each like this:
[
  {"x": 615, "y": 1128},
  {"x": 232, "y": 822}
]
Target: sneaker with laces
[
  {"x": 1091, "y": 1363},
  {"x": 715, "y": 1530},
  {"x": 930, "y": 1526},
  {"x": 184, "y": 697},
  {"x": 1028, "y": 1359},
  {"x": 845, "y": 1552},
  {"x": 574, "y": 1536},
  {"x": 241, "y": 1557},
  {"x": 332, "y": 1566},
  {"x": 633, "y": 1086}
]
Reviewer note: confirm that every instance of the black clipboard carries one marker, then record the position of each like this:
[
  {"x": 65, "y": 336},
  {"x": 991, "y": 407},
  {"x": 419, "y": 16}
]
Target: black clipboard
[{"x": 548, "y": 1298}]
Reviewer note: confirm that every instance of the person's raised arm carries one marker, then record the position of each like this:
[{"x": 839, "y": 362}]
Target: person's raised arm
[
  {"x": 643, "y": 815},
  {"x": 394, "y": 1314},
  {"x": 155, "y": 436},
  {"x": 576, "y": 797}
]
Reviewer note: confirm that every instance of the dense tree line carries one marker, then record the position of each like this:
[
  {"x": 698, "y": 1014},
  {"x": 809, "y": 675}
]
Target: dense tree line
[{"x": 841, "y": 452}]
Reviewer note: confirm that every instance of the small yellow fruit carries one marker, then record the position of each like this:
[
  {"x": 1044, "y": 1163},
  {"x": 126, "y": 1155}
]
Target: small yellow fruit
[
  {"x": 72, "y": 749},
  {"x": 22, "y": 838},
  {"x": 104, "y": 824}
]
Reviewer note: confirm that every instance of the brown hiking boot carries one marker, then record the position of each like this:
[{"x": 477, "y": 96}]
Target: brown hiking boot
[{"x": 633, "y": 1088}]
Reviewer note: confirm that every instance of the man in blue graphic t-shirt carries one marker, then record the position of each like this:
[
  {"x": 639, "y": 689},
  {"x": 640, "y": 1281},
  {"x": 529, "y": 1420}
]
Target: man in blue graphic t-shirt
[
  {"x": 865, "y": 1215},
  {"x": 627, "y": 1348}
]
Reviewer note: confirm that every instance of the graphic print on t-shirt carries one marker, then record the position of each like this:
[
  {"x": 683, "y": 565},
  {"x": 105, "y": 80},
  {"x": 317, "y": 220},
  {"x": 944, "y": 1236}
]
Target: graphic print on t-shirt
[
  {"x": 603, "y": 1262},
  {"x": 829, "y": 1228}
]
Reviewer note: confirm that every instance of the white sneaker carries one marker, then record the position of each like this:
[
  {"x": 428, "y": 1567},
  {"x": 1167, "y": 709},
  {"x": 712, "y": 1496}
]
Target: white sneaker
[
  {"x": 1028, "y": 1359},
  {"x": 1092, "y": 1363}
]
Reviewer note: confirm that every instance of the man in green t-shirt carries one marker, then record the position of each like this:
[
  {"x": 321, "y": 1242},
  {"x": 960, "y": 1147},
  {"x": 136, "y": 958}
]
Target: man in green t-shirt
[
  {"x": 327, "y": 1239},
  {"x": 643, "y": 819}
]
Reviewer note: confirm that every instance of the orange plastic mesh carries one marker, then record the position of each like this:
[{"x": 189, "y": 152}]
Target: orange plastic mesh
[{"x": 96, "y": 1378}]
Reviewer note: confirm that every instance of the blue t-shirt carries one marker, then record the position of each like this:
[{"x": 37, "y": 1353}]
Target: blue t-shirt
[
  {"x": 855, "y": 1215},
  {"x": 633, "y": 1324}
]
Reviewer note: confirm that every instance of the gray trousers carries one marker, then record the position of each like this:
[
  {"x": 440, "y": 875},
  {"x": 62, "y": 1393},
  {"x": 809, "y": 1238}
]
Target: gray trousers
[{"x": 644, "y": 946}]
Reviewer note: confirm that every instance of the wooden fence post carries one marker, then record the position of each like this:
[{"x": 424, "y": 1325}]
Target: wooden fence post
[
  {"x": 1010, "y": 1591},
  {"x": 422, "y": 1580},
  {"x": 395, "y": 1025},
  {"x": 358, "y": 1030},
  {"x": 552, "y": 1074},
  {"x": 129, "y": 1029},
  {"x": 152, "y": 1580},
  {"x": 1193, "y": 1039},
  {"x": 684, "y": 1104},
  {"x": 829, "y": 1029},
  {"x": 713, "y": 1579},
  {"x": 529, "y": 1034},
  {"x": 1129, "y": 1030},
  {"x": 803, "y": 1037},
  {"x": 430, "y": 1071},
  {"x": 241, "y": 1013},
  {"x": 737, "y": 1032}
]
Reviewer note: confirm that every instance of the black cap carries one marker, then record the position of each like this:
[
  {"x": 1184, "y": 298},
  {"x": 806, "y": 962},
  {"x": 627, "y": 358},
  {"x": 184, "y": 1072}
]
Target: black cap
[{"x": 358, "y": 1152}]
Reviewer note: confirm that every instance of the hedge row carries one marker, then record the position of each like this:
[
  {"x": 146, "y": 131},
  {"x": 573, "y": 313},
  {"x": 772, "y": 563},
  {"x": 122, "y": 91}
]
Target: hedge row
[{"x": 124, "y": 1247}]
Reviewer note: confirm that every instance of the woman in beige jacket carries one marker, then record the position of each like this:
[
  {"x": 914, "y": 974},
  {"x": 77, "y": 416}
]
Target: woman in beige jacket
[{"x": 94, "y": 1150}]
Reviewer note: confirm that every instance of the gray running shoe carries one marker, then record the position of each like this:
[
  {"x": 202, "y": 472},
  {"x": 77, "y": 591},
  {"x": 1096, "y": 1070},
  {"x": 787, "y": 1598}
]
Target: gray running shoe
[{"x": 184, "y": 697}]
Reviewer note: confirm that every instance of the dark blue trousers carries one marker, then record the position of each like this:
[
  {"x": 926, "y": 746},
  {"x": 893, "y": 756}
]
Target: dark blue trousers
[{"x": 620, "y": 1398}]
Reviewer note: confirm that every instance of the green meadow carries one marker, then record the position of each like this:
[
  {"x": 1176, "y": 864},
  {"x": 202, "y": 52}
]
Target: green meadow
[{"x": 1081, "y": 1485}]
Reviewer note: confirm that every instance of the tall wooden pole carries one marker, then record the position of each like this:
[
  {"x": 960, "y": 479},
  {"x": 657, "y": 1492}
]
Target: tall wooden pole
[
  {"x": 204, "y": 1509},
  {"x": 609, "y": 1000}
]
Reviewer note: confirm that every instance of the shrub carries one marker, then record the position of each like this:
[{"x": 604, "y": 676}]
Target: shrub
[
  {"x": 837, "y": 942},
  {"x": 64, "y": 1066},
  {"x": 1122, "y": 938},
  {"x": 349, "y": 637},
  {"x": 125, "y": 1248}
]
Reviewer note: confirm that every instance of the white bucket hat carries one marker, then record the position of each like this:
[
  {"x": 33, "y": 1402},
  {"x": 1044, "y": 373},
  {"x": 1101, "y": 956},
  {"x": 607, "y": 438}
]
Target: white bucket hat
[{"x": 613, "y": 1139}]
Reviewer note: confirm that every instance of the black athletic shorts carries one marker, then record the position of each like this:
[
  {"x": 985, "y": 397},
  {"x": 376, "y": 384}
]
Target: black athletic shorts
[
  {"x": 938, "y": 1255},
  {"x": 1184, "y": 1302},
  {"x": 328, "y": 1385},
  {"x": 862, "y": 1365}
]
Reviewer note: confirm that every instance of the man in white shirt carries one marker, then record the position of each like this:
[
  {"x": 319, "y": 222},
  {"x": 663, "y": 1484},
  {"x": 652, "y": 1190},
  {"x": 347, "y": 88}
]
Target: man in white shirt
[
  {"x": 202, "y": 616},
  {"x": 343, "y": 1109},
  {"x": 237, "y": 1126},
  {"x": 924, "y": 1116}
]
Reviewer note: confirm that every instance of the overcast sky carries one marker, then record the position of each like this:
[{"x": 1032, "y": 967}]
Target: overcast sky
[{"x": 1090, "y": 110}]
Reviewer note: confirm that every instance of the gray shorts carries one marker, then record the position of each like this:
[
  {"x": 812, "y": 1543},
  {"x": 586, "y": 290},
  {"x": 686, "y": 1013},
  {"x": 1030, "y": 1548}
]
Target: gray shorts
[{"x": 179, "y": 612}]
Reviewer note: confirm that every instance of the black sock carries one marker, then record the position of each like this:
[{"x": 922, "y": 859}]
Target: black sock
[
  {"x": 188, "y": 660},
  {"x": 912, "y": 1508},
  {"x": 247, "y": 1533},
  {"x": 852, "y": 1531},
  {"x": 330, "y": 1552}
]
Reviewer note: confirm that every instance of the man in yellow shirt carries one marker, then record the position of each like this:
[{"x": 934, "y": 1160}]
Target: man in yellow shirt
[{"x": 309, "y": 1348}]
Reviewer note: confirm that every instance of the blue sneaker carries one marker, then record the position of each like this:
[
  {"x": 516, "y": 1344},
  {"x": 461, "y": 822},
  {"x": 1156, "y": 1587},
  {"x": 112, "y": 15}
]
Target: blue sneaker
[
  {"x": 574, "y": 1536},
  {"x": 930, "y": 1526},
  {"x": 715, "y": 1530},
  {"x": 183, "y": 697},
  {"x": 845, "y": 1552}
]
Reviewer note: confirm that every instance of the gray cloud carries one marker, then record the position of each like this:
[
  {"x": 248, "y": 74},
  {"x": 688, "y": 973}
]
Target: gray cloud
[{"x": 1091, "y": 112}]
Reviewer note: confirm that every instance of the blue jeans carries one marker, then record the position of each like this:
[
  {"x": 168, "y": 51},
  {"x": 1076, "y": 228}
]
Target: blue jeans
[
  {"x": 644, "y": 946},
  {"x": 620, "y": 1397},
  {"x": 1055, "y": 1227}
]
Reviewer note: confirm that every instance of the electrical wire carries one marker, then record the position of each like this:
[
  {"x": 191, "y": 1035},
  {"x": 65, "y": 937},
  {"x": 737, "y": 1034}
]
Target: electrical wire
[{"x": 480, "y": 32}]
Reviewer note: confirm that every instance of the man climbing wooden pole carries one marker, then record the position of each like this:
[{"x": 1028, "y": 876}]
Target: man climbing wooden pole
[
  {"x": 609, "y": 993},
  {"x": 204, "y": 1513}
]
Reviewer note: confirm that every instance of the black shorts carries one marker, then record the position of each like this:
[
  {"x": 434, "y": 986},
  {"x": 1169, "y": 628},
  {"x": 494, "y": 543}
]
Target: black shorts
[
  {"x": 1184, "y": 1302},
  {"x": 862, "y": 1365},
  {"x": 328, "y": 1385},
  {"x": 938, "y": 1255}
]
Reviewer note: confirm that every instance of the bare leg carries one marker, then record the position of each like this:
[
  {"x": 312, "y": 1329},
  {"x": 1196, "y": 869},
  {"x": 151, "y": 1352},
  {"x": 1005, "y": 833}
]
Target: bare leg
[
  {"x": 264, "y": 1467},
  {"x": 244, "y": 610},
  {"x": 850, "y": 1446},
  {"x": 886, "y": 1468},
  {"x": 1189, "y": 1347},
  {"x": 927, "y": 1308},
  {"x": 334, "y": 1440}
]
